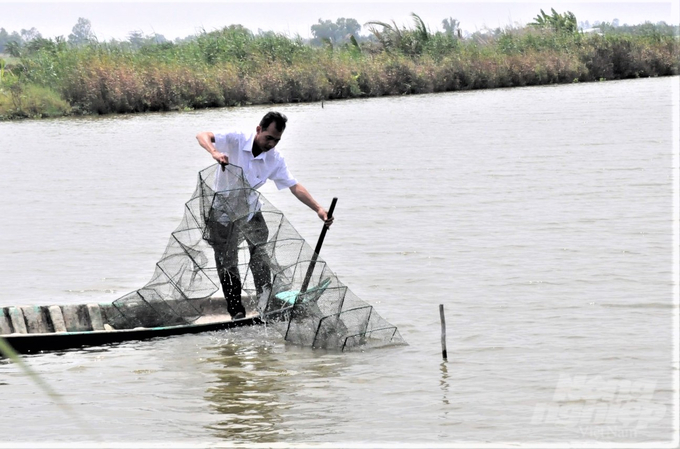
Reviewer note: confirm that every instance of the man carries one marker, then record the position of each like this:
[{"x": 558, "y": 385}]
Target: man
[{"x": 256, "y": 154}]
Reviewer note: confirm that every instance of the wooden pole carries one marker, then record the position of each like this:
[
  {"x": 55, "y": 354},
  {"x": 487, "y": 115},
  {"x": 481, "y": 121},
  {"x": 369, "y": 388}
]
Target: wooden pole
[
  {"x": 310, "y": 269},
  {"x": 317, "y": 250},
  {"x": 443, "y": 320}
]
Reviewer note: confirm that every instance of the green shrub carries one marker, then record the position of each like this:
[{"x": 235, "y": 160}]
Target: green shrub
[{"x": 31, "y": 101}]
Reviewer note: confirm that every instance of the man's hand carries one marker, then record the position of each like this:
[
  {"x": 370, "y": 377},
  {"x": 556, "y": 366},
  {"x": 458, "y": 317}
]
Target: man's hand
[
  {"x": 221, "y": 158},
  {"x": 206, "y": 139},
  {"x": 323, "y": 214}
]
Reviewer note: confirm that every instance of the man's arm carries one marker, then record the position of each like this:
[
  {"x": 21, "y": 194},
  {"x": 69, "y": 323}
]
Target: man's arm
[
  {"x": 303, "y": 195},
  {"x": 206, "y": 139}
]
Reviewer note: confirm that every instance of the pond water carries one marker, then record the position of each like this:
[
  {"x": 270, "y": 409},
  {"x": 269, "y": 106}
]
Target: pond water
[{"x": 544, "y": 219}]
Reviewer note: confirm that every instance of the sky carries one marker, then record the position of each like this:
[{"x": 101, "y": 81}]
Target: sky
[{"x": 182, "y": 18}]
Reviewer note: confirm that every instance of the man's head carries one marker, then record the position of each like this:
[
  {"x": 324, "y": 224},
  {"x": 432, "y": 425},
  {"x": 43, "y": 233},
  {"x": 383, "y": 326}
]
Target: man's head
[
  {"x": 270, "y": 130},
  {"x": 274, "y": 117}
]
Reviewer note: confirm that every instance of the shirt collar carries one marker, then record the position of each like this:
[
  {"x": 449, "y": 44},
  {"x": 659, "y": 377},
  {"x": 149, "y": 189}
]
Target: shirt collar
[{"x": 248, "y": 148}]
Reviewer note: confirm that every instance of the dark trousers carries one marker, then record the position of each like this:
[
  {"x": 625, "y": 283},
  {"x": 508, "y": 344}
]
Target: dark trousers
[{"x": 225, "y": 240}]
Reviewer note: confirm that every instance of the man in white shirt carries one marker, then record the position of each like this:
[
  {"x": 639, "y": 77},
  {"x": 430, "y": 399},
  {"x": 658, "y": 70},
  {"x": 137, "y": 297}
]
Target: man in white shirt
[{"x": 256, "y": 154}]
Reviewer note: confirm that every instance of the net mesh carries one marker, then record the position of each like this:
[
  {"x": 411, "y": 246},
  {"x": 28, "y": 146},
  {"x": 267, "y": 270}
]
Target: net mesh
[{"x": 277, "y": 272}]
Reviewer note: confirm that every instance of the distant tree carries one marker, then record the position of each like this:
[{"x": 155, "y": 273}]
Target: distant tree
[
  {"x": 180, "y": 40},
  {"x": 644, "y": 29},
  {"x": 324, "y": 30},
  {"x": 29, "y": 35},
  {"x": 451, "y": 27},
  {"x": 4, "y": 38},
  {"x": 349, "y": 27},
  {"x": 10, "y": 43},
  {"x": 605, "y": 27},
  {"x": 81, "y": 33},
  {"x": 159, "y": 39},
  {"x": 339, "y": 31},
  {"x": 136, "y": 39}
]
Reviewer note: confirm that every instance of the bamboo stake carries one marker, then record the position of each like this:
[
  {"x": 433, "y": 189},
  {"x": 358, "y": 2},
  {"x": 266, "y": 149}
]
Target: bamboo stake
[{"x": 443, "y": 320}]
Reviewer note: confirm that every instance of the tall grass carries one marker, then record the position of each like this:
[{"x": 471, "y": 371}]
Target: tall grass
[
  {"x": 232, "y": 67},
  {"x": 8, "y": 352}
]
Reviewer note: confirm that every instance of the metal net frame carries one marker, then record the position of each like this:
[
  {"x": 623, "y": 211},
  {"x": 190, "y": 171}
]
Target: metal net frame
[{"x": 304, "y": 300}]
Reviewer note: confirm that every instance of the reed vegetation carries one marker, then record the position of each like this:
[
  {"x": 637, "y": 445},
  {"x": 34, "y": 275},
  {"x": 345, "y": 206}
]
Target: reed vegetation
[{"x": 233, "y": 66}]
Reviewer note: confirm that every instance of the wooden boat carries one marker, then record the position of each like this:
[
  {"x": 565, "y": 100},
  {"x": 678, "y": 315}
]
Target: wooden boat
[{"x": 31, "y": 329}]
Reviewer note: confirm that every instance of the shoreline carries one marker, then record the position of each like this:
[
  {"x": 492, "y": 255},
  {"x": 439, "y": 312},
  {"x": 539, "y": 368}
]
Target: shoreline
[{"x": 322, "y": 101}]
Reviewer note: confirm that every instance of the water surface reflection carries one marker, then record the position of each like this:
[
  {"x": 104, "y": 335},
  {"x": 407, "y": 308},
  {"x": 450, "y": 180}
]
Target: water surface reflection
[{"x": 263, "y": 391}]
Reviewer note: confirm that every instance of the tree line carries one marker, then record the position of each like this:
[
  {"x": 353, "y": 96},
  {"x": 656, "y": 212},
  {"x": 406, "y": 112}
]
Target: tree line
[
  {"x": 340, "y": 31},
  {"x": 81, "y": 34},
  {"x": 233, "y": 66}
]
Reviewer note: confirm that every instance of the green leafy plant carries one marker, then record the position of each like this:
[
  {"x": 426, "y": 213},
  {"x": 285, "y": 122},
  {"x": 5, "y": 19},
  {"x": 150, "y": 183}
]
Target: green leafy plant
[{"x": 557, "y": 22}]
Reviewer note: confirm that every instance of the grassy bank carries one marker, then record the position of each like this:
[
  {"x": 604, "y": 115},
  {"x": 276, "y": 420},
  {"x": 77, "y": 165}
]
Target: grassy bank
[{"x": 234, "y": 67}]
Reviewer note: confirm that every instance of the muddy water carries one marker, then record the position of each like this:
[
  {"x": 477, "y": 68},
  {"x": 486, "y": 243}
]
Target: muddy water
[{"x": 542, "y": 218}]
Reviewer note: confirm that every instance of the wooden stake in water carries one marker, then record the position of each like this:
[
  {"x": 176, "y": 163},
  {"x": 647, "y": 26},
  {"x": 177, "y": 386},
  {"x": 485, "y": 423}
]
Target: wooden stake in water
[{"x": 443, "y": 319}]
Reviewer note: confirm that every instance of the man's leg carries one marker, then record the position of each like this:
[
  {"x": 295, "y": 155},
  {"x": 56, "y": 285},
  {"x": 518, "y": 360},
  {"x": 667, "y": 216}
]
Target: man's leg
[
  {"x": 225, "y": 245},
  {"x": 257, "y": 236}
]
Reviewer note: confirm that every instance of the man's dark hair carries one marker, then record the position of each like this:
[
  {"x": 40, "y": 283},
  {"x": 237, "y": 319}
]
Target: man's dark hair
[{"x": 275, "y": 117}]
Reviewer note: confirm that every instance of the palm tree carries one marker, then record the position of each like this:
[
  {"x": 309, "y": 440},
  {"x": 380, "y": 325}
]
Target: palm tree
[
  {"x": 557, "y": 22},
  {"x": 391, "y": 37}
]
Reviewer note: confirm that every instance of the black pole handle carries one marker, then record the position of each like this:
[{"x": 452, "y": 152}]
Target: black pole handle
[{"x": 317, "y": 250}]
